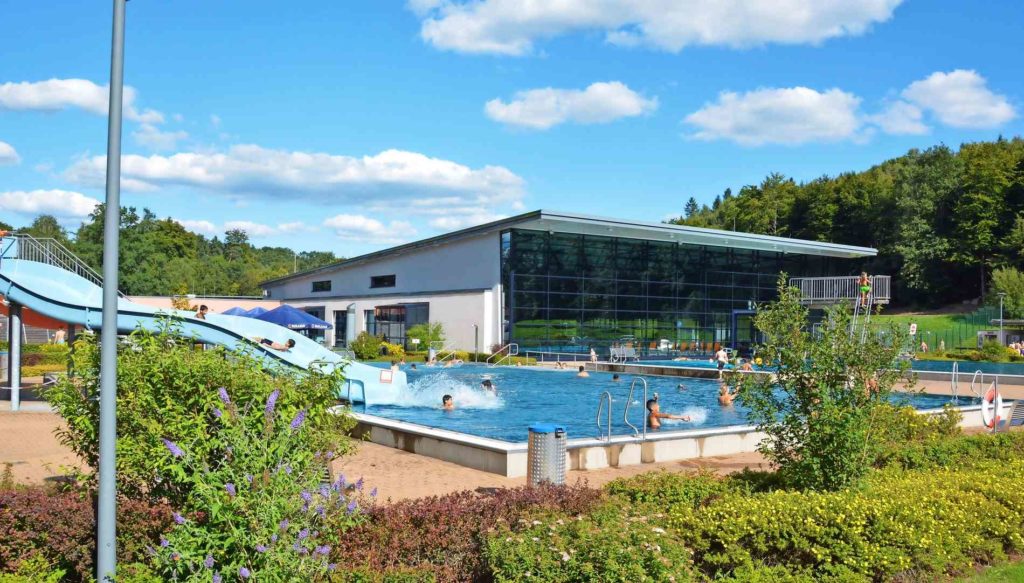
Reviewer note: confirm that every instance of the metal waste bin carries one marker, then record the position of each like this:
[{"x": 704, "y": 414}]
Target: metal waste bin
[{"x": 545, "y": 454}]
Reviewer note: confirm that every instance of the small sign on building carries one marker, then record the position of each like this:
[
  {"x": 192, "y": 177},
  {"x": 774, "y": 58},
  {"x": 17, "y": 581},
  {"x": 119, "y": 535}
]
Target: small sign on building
[{"x": 913, "y": 329}]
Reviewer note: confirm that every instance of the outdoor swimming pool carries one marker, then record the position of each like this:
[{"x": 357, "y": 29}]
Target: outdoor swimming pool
[{"x": 528, "y": 395}]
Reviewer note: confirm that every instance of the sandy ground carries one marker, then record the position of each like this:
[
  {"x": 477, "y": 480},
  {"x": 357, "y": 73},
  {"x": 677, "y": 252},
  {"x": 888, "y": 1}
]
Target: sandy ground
[{"x": 36, "y": 455}]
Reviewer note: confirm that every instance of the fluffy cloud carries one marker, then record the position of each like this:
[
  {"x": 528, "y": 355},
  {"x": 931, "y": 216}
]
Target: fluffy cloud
[
  {"x": 543, "y": 108},
  {"x": 8, "y": 155},
  {"x": 200, "y": 227},
  {"x": 58, "y": 94},
  {"x": 900, "y": 117},
  {"x": 364, "y": 229},
  {"x": 60, "y": 203},
  {"x": 151, "y": 137},
  {"x": 511, "y": 27},
  {"x": 960, "y": 99},
  {"x": 794, "y": 115},
  {"x": 316, "y": 177}
]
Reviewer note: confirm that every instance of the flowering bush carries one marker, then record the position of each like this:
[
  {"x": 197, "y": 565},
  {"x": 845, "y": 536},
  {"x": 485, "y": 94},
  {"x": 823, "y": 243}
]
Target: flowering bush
[
  {"x": 443, "y": 534},
  {"x": 261, "y": 510},
  {"x": 168, "y": 390}
]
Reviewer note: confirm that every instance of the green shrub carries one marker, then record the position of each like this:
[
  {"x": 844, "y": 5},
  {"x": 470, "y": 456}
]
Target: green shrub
[
  {"x": 994, "y": 351},
  {"x": 606, "y": 545},
  {"x": 390, "y": 576},
  {"x": 394, "y": 350},
  {"x": 168, "y": 390},
  {"x": 366, "y": 346},
  {"x": 665, "y": 488},
  {"x": 954, "y": 451},
  {"x": 426, "y": 333}
]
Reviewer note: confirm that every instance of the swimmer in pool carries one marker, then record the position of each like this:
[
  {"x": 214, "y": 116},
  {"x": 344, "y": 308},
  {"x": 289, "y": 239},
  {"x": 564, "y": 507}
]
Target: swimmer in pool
[
  {"x": 447, "y": 403},
  {"x": 655, "y": 415},
  {"x": 582, "y": 374},
  {"x": 725, "y": 395},
  {"x": 489, "y": 386},
  {"x": 615, "y": 378}
]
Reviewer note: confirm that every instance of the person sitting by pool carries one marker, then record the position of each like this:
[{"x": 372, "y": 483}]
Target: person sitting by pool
[
  {"x": 655, "y": 415},
  {"x": 615, "y": 378},
  {"x": 745, "y": 366},
  {"x": 201, "y": 312},
  {"x": 394, "y": 366},
  {"x": 489, "y": 386},
  {"x": 275, "y": 345},
  {"x": 582, "y": 374},
  {"x": 725, "y": 395},
  {"x": 447, "y": 403}
]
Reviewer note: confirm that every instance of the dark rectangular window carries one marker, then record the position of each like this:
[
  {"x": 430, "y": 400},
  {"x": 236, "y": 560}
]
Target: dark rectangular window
[
  {"x": 322, "y": 286},
  {"x": 382, "y": 281}
]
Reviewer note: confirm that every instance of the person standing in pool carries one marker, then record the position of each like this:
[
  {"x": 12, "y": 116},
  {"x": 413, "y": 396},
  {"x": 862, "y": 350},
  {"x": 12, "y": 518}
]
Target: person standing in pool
[
  {"x": 725, "y": 395},
  {"x": 447, "y": 403},
  {"x": 654, "y": 414},
  {"x": 582, "y": 374},
  {"x": 864, "y": 284},
  {"x": 722, "y": 358},
  {"x": 615, "y": 378}
]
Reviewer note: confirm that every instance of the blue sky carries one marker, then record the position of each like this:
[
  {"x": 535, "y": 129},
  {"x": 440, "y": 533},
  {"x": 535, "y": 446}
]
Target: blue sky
[{"x": 351, "y": 126}]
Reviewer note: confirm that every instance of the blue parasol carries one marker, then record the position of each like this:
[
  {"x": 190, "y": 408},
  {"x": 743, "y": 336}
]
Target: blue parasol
[
  {"x": 256, "y": 312},
  {"x": 235, "y": 311},
  {"x": 293, "y": 319}
]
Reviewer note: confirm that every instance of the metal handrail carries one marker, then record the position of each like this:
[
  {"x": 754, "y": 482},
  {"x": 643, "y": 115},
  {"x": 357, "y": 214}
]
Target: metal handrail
[
  {"x": 512, "y": 350},
  {"x": 954, "y": 380},
  {"x": 833, "y": 289},
  {"x": 974, "y": 381},
  {"x": 605, "y": 396},
  {"x": 577, "y": 356},
  {"x": 629, "y": 402},
  {"x": 51, "y": 252}
]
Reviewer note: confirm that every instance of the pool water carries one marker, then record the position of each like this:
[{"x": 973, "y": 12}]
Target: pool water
[{"x": 528, "y": 395}]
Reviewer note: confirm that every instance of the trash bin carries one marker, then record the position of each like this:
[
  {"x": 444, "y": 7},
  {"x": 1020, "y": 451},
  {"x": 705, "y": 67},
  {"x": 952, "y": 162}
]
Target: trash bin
[{"x": 545, "y": 454}]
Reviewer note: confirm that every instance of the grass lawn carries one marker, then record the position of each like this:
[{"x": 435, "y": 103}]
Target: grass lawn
[
  {"x": 1011, "y": 573},
  {"x": 958, "y": 330}
]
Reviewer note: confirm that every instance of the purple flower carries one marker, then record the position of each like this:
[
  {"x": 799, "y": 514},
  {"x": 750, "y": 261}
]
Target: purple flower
[
  {"x": 243, "y": 573},
  {"x": 261, "y": 549},
  {"x": 151, "y": 551},
  {"x": 217, "y": 413},
  {"x": 330, "y": 455},
  {"x": 325, "y": 491},
  {"x": 217, "y": 578},
  {"x": 230, "y": 488},
  {"x": 179, "y": 518},
  {"x": 271, "y": 401},
  {"x": 322, "y": 550},
  {"x": 288, "y": 470},
  {"x": 284, "y": 524},
  {"x": 373, "y": 493},
  {"x": 351, "y": 507},
  {"x": 248, "y": 478},
  {"x": 303, "y": 533},
  {"x": 321, "y": 511},
  {"x": 164, "y": 543},
  {"x": 299, "y": 418},
  {"x": 173, "y": 448},
  {"x": 359, "y": 484},
  {"x": 339, "y": 483},
  {"x": 305, "y": 495},
  {"x": 224, "y": 395},
  {"x": 331, "y": 567},
  {"x": 208, "y": 562},
  {"x": 273, "y": 538}
]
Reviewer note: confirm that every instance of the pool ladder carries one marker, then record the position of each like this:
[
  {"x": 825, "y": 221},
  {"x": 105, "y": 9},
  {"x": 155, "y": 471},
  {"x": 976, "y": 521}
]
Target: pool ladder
[
  {"x": 348, "y": 392},
  {"x": 629, "y": 402},
  {"x": 606, "y": 397}
]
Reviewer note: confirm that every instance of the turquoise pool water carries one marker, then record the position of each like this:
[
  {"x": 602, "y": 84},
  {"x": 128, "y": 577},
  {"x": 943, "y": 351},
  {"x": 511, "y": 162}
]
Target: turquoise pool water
[
  {"x": 528, "y": 395},
  {"x": 968, "y": 367}
]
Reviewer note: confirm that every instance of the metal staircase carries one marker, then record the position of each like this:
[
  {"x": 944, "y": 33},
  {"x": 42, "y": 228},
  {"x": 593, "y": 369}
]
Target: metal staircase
[
  {"x": 503, "y": 355},
  {"x": 50, "y": 252}
]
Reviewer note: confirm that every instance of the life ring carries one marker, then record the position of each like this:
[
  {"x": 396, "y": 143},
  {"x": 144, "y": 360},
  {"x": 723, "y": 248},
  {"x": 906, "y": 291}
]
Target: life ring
[{"x": 989, "y": 413}]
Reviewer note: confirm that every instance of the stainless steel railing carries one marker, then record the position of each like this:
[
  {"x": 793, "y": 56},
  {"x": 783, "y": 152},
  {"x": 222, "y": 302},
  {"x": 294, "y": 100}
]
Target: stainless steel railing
[
  {"x": 836, "y": 289},
  {"x": 50, "y": 252}
]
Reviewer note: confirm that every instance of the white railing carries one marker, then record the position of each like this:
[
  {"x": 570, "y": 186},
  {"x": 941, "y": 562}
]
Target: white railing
[
  {"x": 51, "y": 252},
  {"x": 503, "y": 354},
  {"x": 815, "y": 290}
]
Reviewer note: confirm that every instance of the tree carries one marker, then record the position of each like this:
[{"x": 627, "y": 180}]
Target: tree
[
  {"x": 818, "y": 408},
  {"x": 47, "y": 227},
  {"x": 691, "y": 207},
  {"x": 1009, "y": 281},
  {"x": 426, "y": 333}
]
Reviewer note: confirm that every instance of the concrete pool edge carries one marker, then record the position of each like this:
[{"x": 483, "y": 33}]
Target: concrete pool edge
[{"x": 585, "y": 453}]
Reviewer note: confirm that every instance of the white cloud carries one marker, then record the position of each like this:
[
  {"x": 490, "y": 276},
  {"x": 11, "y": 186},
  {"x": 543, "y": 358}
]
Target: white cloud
[
  {"x": 792, "y": 116},
  {"x": 215, "y": 120},
  {"x": 511, "y": 27},
  {"x": 154, "y": 139},
  {"x": 364, "y": 229},
  {"x": 59, "y": 94},
  {"x": 8, "y": 155},
  {"x": 60, "y": 203},
  {"x": 543, "y": 108},
  {"x": 199, "y": 227},
  {"x": 960, "y": 99},
  {"x": 252, "y": 229},
  {"x": 900, "y": 117},
  {"x": 316, "y": 177},
  {"x": 458, "y": 221}
]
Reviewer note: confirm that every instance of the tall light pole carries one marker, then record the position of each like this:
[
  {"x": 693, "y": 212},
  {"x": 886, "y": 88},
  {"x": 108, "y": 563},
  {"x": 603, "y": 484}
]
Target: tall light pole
[
  {"x": 1002, "y": 339},
  {"x": 106, "y": 512}
]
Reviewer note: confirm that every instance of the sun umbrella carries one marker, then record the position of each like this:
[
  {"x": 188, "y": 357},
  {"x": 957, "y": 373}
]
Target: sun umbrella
[
  {"x": 235, "y": 311},
  {"x": 293, "y": 318},
  {"x": 257, "y": 311}
]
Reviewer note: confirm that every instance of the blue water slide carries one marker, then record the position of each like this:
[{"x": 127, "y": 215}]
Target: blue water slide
[{"x": 32, "y": 280}]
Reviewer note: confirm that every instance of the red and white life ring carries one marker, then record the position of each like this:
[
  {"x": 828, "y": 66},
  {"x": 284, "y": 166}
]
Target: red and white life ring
[{"x": 991, "y": 407}]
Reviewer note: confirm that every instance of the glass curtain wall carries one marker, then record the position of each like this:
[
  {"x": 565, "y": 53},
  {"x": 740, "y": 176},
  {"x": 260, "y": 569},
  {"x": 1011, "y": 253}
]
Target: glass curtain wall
[
  {"x": 392, "y": 322},
  {"x": 568, "y": 292}
]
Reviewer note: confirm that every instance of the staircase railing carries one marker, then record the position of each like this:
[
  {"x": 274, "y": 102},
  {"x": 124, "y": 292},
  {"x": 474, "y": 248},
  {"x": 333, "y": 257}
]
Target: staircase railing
[
  {"x": 50, "y": 252},
  {"x": 629, "y": 402},
  {"x": 503, "y": 354},
  {"x": 831, "y": 290},
  {"x": 606, "y": 397}
]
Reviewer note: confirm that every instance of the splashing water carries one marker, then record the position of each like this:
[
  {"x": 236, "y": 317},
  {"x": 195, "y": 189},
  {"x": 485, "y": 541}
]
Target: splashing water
[
  {"x": 698, "y": 415},
  {"x": 428, "y": 390}
]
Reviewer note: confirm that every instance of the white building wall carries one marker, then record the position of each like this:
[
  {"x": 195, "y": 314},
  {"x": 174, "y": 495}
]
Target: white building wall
[{"x": 460, "y": 280}]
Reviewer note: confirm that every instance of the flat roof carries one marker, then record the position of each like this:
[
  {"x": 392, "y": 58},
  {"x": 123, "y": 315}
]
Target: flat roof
[{"x": 562, "y": 222}]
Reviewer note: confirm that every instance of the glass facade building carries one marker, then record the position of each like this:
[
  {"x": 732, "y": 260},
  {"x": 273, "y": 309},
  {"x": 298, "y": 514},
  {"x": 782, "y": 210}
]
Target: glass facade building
[{"x": 568, "y": 292}]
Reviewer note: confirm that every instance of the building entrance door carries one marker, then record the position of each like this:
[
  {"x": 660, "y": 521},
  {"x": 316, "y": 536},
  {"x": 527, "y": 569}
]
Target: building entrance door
[{"x": 744, "y": 333}]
